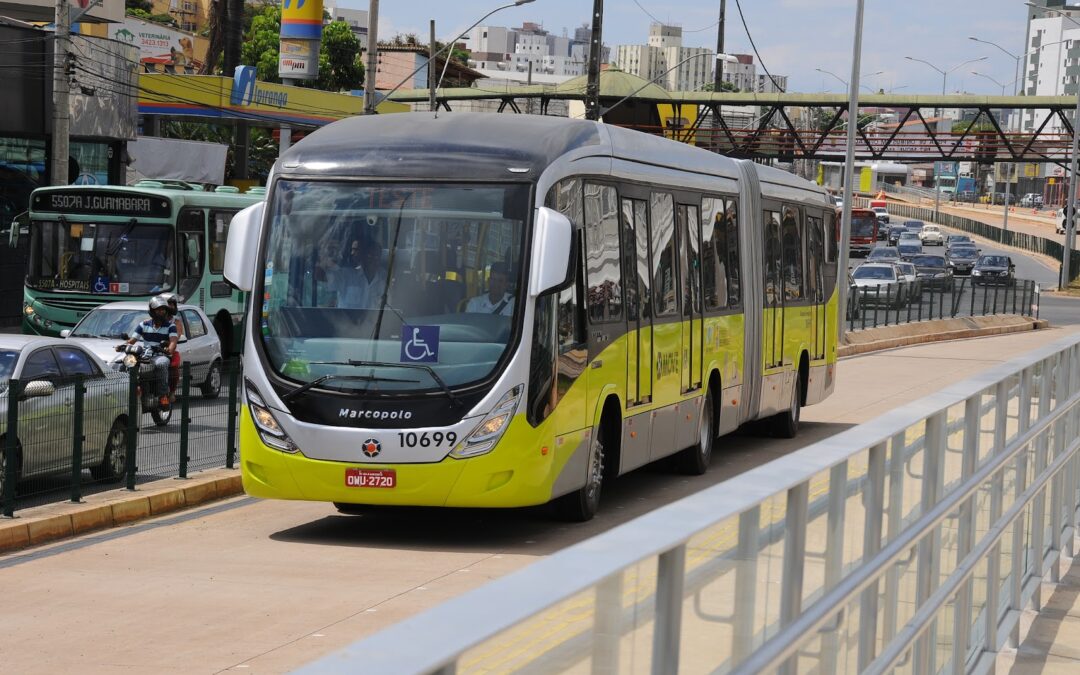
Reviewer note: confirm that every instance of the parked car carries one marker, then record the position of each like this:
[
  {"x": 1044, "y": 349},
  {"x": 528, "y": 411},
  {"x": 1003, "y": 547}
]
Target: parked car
[
  {"x": 894, "y": 233},
  {"x": 961, "y": 259},
  {"x": 880, "y": 283},
  {"x": 908, "y": 249},
  {"x": 933, "y": 271},
  {"x": 882, "y": 214},
  {"x": 884, "y": 254},
  {"x": 110, "y": 324},
  {"x": 1001, "y": 197},
  {"x": 1031, "y": 200},
  {"x": 932, "y": 234},
  {"x": 994, "y": 269},
  {"x": 46, "y": 369}
]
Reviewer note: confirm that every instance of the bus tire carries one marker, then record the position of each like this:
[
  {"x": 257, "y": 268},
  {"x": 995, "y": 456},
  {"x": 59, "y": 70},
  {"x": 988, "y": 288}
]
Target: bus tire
[
  {"x": 695, "y": 460},
  {"x": 786, "y": 424},
  {"x": 582, "y": 504}
]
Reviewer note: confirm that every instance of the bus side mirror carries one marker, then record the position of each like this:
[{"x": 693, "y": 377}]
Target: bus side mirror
[
  {"x": 21, "y": 222},
  {"x": 242, "y": 247},
  {"x": 552, "y": 254}
]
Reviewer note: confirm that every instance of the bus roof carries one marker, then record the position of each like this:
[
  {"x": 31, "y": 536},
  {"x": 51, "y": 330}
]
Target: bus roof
[
  {"x": 496, "y": 147},
  {"x": 177, "y": 197}
]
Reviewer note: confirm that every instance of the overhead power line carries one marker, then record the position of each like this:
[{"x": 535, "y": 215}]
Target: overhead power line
[{"x": 754, "y": 46}]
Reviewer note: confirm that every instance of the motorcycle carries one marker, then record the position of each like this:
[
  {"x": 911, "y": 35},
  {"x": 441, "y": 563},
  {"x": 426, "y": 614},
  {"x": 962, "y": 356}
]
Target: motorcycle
[{"x": 141, "y": 356}]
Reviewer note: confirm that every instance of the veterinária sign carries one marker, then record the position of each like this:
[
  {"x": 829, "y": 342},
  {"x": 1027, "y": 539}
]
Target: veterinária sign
[{"x": 157, "y": 44}]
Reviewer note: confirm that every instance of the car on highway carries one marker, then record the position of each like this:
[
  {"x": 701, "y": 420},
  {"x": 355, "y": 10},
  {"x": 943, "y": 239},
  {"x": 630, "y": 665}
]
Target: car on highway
[
  {"x": 961, "y": 259},
  {"x": 933, "y": 271},
  {"x": 112, "y": 323},
  {"x": 884, "y": 254},
  {"x": 1032, "y": 200},
  {"x": 47, "y": 370},
  {"x": 914, "y": 225},
  {"x": 932, "y": 234},
  {"x": 909, "y": 275},
  {"x": 880, "y": 284},
  {"x": 994, "y": 269},
  {"x": 894, "y": 233},
  {"x": 908, "y": 249},
  {"x": 957, "y": 239},
  {"x": 882, "y": 214}
]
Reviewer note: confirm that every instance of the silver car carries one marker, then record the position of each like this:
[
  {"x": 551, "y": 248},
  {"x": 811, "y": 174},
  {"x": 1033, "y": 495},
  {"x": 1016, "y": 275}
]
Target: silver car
[
  {"x": 46, "y": 369},
  {"x": 108, "y": 325}
]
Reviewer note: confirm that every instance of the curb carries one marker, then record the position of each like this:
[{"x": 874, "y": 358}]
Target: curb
[
  {"x": 934, "y": 334},
  {"x": 43, "y": 524}
]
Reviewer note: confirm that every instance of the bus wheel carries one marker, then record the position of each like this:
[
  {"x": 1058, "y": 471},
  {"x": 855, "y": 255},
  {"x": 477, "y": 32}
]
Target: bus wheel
[
  {"x": 582, "y": 504},
  {"x": 786, "y": 424},
  {"x": 695, "y": 460}
]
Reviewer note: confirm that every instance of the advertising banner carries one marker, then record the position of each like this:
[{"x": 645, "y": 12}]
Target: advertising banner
[
  {"x": 298, "y": 59},
  {"x": 302, "y": 19},
  {"x": 172, "y": 50}
]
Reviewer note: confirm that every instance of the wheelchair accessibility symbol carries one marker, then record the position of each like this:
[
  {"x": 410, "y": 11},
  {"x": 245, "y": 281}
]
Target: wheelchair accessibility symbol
[{"x": 419, "y": 344}]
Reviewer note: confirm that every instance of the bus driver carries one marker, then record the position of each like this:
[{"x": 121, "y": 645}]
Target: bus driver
[{"x": 497, "y": 300}]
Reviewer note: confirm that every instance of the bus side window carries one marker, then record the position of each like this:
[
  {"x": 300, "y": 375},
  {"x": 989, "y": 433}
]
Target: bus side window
[
  {"x": 734, "y": 265},
  {"x": 191, "y": 232},
  {"x": 219, "y": 235},
  {"x": 794, "y": 284},
  {"x": 602, "y": 253}
]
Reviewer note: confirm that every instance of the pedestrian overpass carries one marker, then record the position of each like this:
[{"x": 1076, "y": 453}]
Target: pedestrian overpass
[
  {"x": 790, "y": 126},
  {"x": 911, "y": 543}
]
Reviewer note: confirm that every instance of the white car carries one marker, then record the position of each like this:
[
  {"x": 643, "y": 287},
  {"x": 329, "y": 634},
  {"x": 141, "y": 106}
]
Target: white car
[
  {"x": 931, "y": 234},
  {"x": 46, "y": 369},
  {"x": 882, "y": 214},
  {"x": 110, "y": 324},
  {"x": 880, "y": 283}
]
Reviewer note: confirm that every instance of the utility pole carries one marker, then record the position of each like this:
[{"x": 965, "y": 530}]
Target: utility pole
[
  {"x": 372, "y": 57},
  {"x": 432, "y": 103},
  {"x": 720, "y": 49},
  {"x": 592, "y": 89},
  {"x": 61, "y": 109}
]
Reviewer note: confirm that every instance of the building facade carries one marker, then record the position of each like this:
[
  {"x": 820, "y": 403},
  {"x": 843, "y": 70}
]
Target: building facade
[
  {"x": 515, "y": 50},
  {"x": 665, "y": 61}
]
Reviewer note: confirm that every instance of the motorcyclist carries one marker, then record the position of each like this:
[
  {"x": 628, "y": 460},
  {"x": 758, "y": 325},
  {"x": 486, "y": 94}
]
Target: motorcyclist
[
  {"x": 174, "y": 363},
  {"x": 160, "y": 331}
]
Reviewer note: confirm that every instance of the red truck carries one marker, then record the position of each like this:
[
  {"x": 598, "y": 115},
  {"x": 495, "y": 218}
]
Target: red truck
[{"x": 864, "y": 231}]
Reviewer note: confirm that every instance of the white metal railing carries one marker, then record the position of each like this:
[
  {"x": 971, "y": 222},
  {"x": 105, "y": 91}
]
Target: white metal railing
[{"x": 910, "y": 543}]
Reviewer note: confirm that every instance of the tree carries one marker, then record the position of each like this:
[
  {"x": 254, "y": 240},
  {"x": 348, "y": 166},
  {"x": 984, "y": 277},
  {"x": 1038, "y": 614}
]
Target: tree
[
  {"x": 340, "y": 67},
  {"x": 163, "y": 19},
  {"x": 144, "y": 5},
  {"x": 724, "y": 86}
]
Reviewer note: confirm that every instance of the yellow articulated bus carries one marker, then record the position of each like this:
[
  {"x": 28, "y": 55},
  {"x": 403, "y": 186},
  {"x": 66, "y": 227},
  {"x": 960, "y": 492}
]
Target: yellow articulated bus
[{"x": 488, "y": 310}]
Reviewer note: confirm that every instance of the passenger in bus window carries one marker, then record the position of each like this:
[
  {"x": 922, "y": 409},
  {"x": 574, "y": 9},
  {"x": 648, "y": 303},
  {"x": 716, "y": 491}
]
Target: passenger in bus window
[
  {"x": 362, "y": 287},
  {"x": 497, "y": 300}
]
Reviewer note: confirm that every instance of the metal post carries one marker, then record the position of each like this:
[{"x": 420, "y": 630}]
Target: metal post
[
  {"x": 746, "y": 560},
  {"x": 230, "y": 442},
  {"x": 372, "y": 68},
  {"x": 132, "y": 435},
  {"x": 897, "y": 465},
  {"x": 432, "y": 104},
  {"x": 718, "y": 81},
  {"x": 607, "y": 625},
  {"x": 872, "y": 528},
  {"x": 11, "y": 445},
  {"x": 285, "y": 139},
  {"x": 77, "y": 438},
  {"x": 849, "y": 157},
  {"x": 667, "y": 627},
  {"x": 1070, "y": 204},
  {"x": 929, "y": 548},
  {"x": 1038, "y": 504},
  {"x": 185, "y": 423},
  {"x": 965, "y": 537},
  {"x": 61, "y": 108},
  {"x": 834, "y": 557},
  {"x": 1018, "y": 544},
  {"x": 997, "y": 489},
  {"x": 596, "y": 46},
  {"x": 1056, "y": 486},
  {"x": 791, "y": 579}
]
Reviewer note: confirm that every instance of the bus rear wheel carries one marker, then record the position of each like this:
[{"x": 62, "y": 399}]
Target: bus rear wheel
[
  {"x": 582, "y": 504},
  {"x": 786, "y": 424}
]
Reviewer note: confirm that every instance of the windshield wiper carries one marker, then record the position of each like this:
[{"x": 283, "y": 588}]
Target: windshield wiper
[
  {"x": 412, "y": 366},
  {"x": 355, "y": 378}
]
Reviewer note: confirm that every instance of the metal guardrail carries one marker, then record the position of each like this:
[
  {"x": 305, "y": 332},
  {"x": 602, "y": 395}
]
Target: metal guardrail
[
  {"x": 913, "y": 542},
  {"x": 88, "y": 434},
  {"x": 892, "y": 304}
]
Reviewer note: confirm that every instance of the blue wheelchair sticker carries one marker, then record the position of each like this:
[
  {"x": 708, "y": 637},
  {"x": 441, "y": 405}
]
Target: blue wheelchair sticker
[
  {"x": 101, "y": 284},
  {"x": 419, "y": 344}
]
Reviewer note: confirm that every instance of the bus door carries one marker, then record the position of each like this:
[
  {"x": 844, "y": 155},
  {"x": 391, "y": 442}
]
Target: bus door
[
  {"x": 635, "y": 253},
  {"x": 815, "y": 280},
  {"x": 604, "y": 293},
  {"x": 190, "y": 244},
  {"x": 689, "y": 228},
  {"x": 773, "y": 318}
]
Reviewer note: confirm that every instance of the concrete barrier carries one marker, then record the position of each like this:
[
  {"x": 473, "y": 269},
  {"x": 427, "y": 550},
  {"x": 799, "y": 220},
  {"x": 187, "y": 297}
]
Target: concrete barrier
[{"x": 960, "y": 328}]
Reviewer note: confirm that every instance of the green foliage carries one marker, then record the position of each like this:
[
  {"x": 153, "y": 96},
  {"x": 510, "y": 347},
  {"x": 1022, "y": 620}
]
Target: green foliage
[
  {"x": 163, "y": 19},
  {"x": 982, "y": 126},
  {"x": 143, "y": 5},
  {"x": 724, "y": 86},
  {"x": 340, "y": 66}
]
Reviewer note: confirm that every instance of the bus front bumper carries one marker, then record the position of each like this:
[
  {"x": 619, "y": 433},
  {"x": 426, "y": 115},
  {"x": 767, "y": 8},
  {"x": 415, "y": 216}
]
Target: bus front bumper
[{"x": 512, "y": 475}]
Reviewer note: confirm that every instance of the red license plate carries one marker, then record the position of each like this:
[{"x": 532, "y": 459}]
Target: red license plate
[{"x": 370, "y": 478}]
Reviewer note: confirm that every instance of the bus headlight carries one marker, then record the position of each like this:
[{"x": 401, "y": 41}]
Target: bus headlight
[
  {"x": 266, "y": 424},
  {"x": 487, "y": 434}
]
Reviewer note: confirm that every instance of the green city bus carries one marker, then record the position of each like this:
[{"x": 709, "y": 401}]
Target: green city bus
[{"x": 94, "y": 244}]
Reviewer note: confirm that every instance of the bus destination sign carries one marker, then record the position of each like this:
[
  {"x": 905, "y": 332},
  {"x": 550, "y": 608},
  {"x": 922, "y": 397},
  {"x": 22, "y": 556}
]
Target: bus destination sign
[{"x": 101, "y": 203}]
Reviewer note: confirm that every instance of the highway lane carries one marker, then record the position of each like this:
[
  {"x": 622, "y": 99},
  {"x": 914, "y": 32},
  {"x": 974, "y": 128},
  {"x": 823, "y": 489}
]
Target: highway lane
[{"x": 265, "y": 586}]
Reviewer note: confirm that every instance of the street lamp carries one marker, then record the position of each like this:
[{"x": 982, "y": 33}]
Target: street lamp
[
  {"x": 844, "y": 82},
  {"x": 944, "y": 79},
  {"x": 449, "y": 45},
  {"x": 1016, "y": 74},
  {"x": 1000, "y": 84},
  {"x": 845, "y": 215},
  {"x": 1070, "y": 204}
]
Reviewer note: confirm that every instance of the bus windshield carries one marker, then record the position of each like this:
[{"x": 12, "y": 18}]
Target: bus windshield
[
  {"x": 863, "y": 226},
  {"x": 452, "y": 254},
  {"x": 113, "y": 258}
]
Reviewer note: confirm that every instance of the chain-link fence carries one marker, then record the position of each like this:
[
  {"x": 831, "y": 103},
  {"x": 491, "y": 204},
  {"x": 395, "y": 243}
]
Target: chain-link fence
[
  {"x": 63, "y": 438},
  {"x": 946, "y": 298}
]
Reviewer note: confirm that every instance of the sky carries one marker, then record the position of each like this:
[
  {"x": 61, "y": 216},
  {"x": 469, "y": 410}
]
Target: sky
[{"x": 794, "y": 37}]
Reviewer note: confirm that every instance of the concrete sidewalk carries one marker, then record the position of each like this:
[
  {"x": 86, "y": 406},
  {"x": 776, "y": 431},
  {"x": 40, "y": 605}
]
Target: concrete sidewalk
[{"x": 1052, "y": 642}]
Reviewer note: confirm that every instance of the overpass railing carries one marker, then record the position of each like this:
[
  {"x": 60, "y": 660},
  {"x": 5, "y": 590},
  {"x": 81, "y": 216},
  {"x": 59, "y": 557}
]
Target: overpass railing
[{"x": 912, "y": 542}]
